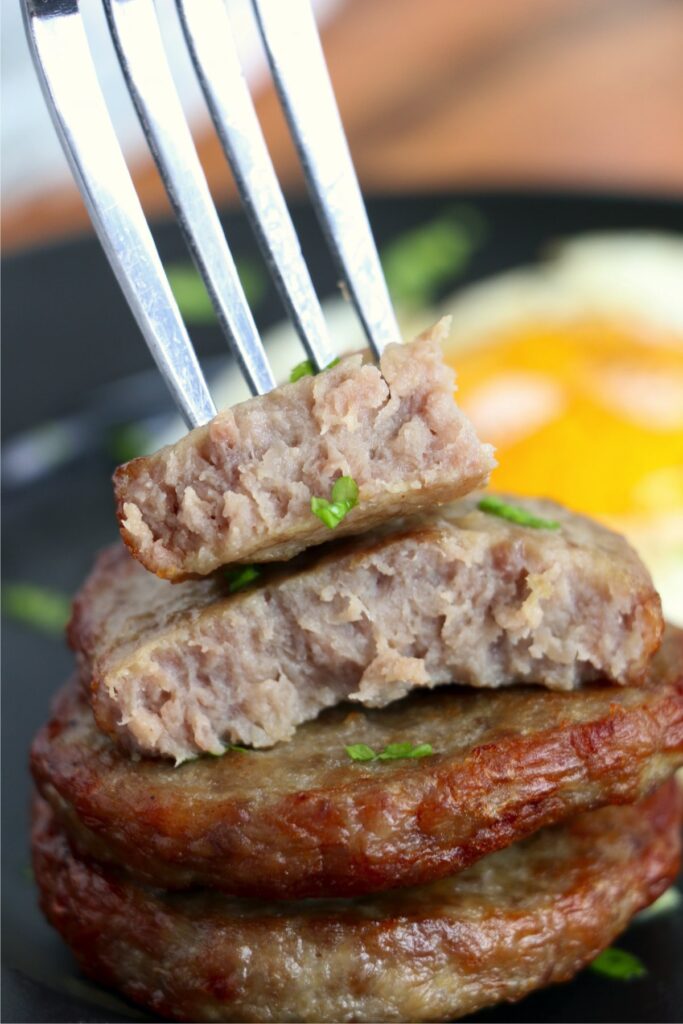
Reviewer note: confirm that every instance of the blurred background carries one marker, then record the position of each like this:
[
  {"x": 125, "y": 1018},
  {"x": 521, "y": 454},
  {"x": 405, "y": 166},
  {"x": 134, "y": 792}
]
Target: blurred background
[
  {"x": 434, "y": 94},
  {"x": 523, "y": 161}
]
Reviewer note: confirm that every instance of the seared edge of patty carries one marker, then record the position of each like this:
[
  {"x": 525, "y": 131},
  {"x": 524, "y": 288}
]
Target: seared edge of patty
[
  {"x": 457, "y": 595},
  {"x": 525, "y": 917},
  {"x": 302, "y": 819},
  {"x": 239, "y": 488}
]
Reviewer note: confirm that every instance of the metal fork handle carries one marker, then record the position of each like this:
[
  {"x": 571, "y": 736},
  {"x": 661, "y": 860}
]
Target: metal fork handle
[
  {"x": 61, "y": 54},
  {"x": 209, "y": 38},
  {"x": 303, "y": 83},
  {"x": 140, "y": 48}
]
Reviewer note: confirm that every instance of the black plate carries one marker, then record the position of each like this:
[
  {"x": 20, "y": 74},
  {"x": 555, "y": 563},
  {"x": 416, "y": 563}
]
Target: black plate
[{"x": 66, "y": 333}]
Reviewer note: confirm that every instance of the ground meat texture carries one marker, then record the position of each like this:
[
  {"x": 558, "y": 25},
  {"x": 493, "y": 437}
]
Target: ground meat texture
[
  {"x": 458, "y": 595},
  {"x": 303, "y": 819},
  {"x": 239, "y": 489},
  {"x": 525, "y": 917}
]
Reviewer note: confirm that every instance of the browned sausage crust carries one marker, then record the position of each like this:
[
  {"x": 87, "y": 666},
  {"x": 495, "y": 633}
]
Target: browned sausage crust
[
  {"x": 527, "y": 916},
  {"x": 458, "y": 595},
  {"x": 303, "y": 819},
  {"x": 239, "y": 489}
]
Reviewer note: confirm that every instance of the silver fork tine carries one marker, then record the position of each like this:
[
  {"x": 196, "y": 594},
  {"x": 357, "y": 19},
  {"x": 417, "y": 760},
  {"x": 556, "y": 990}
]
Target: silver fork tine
[
  {"x": 209, "y": 38},
  {"x": 303, "y": 83},
  {"x": 137, "y": 37},
  {"x": 60, "y": 51}
]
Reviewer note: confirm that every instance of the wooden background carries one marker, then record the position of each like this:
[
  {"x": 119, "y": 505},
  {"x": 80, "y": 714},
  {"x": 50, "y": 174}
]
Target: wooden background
[{"x": 452, "y": 93}]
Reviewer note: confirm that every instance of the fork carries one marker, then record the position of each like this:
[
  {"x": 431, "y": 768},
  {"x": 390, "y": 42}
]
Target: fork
[{"x": 65, "y": 67}]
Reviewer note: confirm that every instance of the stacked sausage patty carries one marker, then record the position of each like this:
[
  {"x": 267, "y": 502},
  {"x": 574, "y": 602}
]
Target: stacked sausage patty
[{"x": 396, "y": 776}]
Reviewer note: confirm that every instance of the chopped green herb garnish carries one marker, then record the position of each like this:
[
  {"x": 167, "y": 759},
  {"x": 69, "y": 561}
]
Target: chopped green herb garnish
[
  {"x": 419, "y": 263},
  {"x": 345, "y": 489},
  {"x": 130, "y": 441},
  {"x": 668, "y": 901},
  {"x": 40, "y": 607},
  {"x": 304, "y": 369},
  {"x": 329, "y": 513},
  {"x": 392, "y": 751},
  {"x": 307, "y": 369},
  {"x": 344, "y": 497},
  {"x": 496, "y": 507},
  {"x": 191, "y": 294},
  {"x": 241, "y": 577},
  {"x": 335, "y": 362},
  {"x": 361, "y": 752},
  {"x": 619, "y": 964},
  {"x": 253, "y": 279}
]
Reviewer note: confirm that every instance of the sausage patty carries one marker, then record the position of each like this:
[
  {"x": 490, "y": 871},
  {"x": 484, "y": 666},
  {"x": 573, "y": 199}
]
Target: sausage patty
[
  {"x": 527, "y": 916},
  {"x": 239, "y": 489},
  {"x": 459, "y": 595},
  {"x": 303, "y": 819}
]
